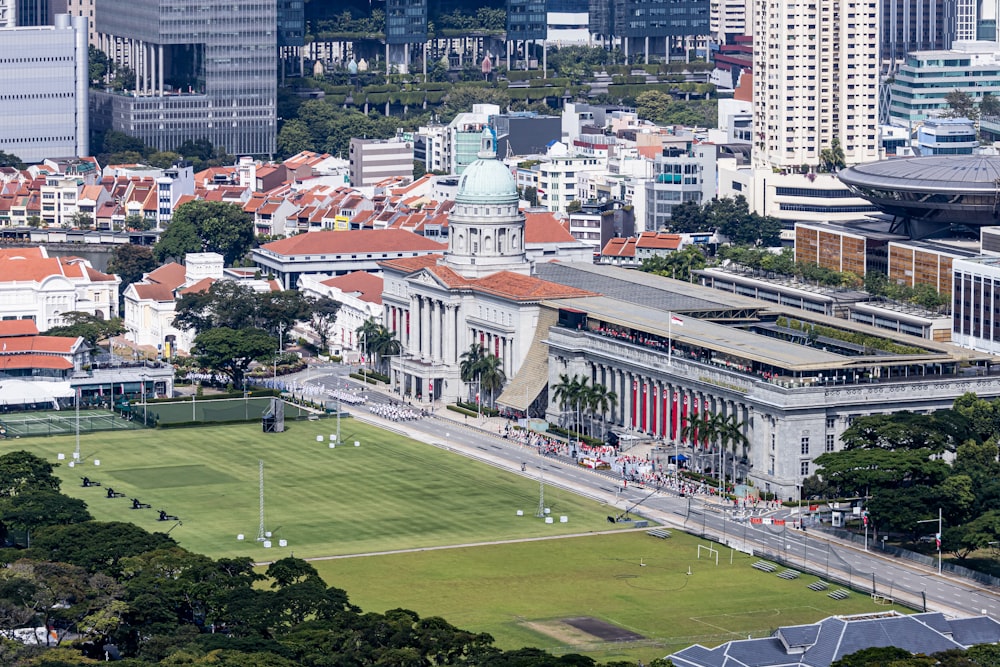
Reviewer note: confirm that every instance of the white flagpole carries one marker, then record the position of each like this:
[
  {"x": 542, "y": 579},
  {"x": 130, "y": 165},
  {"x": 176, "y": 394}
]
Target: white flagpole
[{"x": 670, "y": 337}]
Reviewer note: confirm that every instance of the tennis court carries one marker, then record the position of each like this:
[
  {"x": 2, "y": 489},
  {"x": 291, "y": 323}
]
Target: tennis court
[
  {"x": 208, "y": 411},
  {"x": 24, "y": 424}
]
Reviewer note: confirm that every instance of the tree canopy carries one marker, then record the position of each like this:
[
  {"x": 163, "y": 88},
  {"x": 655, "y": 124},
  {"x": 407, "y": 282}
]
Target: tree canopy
[
  {"x": 231, "y": 351},
  {"x": 206, "y": 226},
  {"x": 89, "y": 327}
]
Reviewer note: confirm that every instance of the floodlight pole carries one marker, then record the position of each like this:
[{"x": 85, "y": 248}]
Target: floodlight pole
[
  {"x": 76, "y": 456},
  {"x": 940, "y": 523},
  {"x": 260, "y": 476},
  {"x": 541, "y": 492}
]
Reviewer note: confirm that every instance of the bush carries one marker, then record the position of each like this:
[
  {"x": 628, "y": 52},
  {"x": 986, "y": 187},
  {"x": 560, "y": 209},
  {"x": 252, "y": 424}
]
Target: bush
[{"x": 489, "y": 412}]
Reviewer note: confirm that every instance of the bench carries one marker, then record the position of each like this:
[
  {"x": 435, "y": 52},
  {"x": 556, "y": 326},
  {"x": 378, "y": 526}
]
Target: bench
[
  {"x": 658, "y": 532},
  {"x": 764, "y": 566},
  {"x": 817, "y": 586},
  {"x": 788, "y": 574},
  {"x": 839, "y": 594}
]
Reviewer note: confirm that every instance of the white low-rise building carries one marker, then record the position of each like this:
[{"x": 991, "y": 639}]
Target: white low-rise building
[
  {"x": 34, "y": 286},
  {"x": 360, "y": 297}
]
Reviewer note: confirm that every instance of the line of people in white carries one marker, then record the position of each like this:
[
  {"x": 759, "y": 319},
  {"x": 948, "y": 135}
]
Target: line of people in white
[
  {"x": 348, "y": 397},
  {"x": 396, "y": 413}
]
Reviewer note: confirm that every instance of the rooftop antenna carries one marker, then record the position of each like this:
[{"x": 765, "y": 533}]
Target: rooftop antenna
[
  {"x": 541, "y": 493},
  {"x": 261, "y": 534}
]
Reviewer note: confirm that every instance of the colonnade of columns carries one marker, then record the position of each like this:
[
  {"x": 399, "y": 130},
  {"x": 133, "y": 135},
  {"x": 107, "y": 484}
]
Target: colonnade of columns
[
  {"x": 430, "y": 331},
  {"x": 659, "y": 407},
  {"x": 145, "y": 59}
]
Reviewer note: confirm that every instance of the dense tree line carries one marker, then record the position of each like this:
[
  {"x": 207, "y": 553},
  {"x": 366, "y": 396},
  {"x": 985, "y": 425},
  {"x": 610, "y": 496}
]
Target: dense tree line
[
  {"x": 114, "y": 589},
  {"x": 910, "y": 465}
]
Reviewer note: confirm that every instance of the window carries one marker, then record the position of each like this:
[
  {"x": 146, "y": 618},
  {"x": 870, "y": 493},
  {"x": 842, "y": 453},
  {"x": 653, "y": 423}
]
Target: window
[
  {"x": 804, "y": 468},
  {"x": 772, "y": 442},
  {"x": 830, "y": 441},
  {"x": 805, "y": 444},
  {"x": 830, "y": 421}
]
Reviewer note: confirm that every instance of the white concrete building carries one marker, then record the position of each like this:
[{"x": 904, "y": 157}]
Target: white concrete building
[
  {"x": 37, "y": 287},
  {"x": 480, "y": 291},
  {"x": 729, "y": 18},
  {"x": 815, "y": 80},
  {"x": 360, "y": 297},
  {"x": 48, "y": 67}
]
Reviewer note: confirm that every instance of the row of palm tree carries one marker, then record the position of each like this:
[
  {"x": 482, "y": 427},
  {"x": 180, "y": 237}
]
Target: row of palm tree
[
  {"x": 483, "y": 368},
  {"x": 584, "y": 399},
  {"x": 378, "y": 344},
  {"x": 720, "y": 431}
]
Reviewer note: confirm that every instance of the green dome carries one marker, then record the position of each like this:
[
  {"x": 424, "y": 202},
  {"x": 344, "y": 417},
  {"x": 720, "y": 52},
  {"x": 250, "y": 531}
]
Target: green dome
[{"x": 487, "y": 181}]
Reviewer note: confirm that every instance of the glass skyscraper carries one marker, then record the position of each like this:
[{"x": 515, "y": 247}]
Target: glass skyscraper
[{"x": 204, "y": 70}]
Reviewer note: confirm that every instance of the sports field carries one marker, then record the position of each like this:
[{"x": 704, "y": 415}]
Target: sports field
[
  {"x": 389, "y": 493},
  {"x": 58, "y": 422},
  {"x": 620, "y": 596},
  {"x": 523, "y": 594}
]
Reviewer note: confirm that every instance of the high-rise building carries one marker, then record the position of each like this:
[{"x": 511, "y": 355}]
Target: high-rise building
[
  {"x": 915, "y": 25},
  {"x": 203, "y": 71},
  {"x": 48, "y": 116},
  {"x": 526, "y": 20},
  {"x": 667, "y": 27},
  {"x": 291, "y": 22},
  {"x": 815, "y": 81},
  {"x": 730, "y": 19}
]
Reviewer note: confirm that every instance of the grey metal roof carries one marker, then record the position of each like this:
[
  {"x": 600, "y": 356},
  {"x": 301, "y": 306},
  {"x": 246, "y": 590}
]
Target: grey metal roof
[
  {"x": 643, "y": 289},
  {"x": 934, "y": 173},
  {"x": 838, "y": 636},
  {"x": 799, "y": 635},
  {"x": 977, "y": 630}
]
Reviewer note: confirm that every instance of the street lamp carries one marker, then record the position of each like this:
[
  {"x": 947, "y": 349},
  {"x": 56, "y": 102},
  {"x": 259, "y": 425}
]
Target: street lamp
[{"x": 940, "y": 523}]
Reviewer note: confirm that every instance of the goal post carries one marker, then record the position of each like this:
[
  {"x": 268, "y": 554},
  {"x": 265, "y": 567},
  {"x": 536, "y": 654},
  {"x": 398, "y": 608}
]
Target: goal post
[{"x": 711, "y": 550}]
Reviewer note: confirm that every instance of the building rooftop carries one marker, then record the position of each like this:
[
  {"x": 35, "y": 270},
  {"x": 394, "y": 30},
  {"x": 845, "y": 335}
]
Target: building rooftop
[{"x": 945, "y": 173}]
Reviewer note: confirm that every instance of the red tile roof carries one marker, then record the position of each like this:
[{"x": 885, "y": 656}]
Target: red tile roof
[
  {"x": 355, "y": 241},
  {"x": 544, "y": 227},
  {"x": 367, "y": 286},
  {"x": 22, "y": 361},
  {"x": 411, "y": 264},
  {"x": 198, "y": 287},
  {"x": 658, "y": 241},
  {"x": 50, "y": 344},
  {"x": 619, "y": 247},
  {"x": 171, "y": 275},
  {"x": 18, "y": 328}
]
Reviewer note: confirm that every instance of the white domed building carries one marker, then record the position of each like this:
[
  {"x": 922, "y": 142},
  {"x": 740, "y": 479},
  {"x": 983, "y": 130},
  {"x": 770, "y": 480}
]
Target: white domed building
[{"x": 479, "y": 291}]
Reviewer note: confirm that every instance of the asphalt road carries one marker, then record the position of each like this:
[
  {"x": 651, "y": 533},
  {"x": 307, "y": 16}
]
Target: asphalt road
[{"x": 810, "y": 552}]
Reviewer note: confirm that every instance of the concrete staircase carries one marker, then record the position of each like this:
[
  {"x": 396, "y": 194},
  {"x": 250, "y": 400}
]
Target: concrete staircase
[{"x": 534, "y": 372}]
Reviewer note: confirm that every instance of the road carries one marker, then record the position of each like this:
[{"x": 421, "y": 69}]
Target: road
[{"x": 811, "y": 552}]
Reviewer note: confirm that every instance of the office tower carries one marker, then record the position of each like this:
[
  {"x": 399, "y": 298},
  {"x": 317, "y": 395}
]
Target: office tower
[
  {"x": 291, "y": 22},
  {"x": 815, "y": 81},
  {"x": 668, "y": 27},
  {"x": 203, "y": 71},
  {"x": 915, "y": 25},
  {"x": 47, "y": 118},
  {"x": 405, "y": 24}
]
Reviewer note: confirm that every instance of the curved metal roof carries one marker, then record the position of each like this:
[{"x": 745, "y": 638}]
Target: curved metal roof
[{"x": 931, "y": 173}]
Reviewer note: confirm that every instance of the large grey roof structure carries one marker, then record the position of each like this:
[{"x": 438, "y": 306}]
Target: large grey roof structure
[
  {"x": 643, "y": 289},
  {"x": 820, "y": 644},
  {"x": 943, "y": 173}
]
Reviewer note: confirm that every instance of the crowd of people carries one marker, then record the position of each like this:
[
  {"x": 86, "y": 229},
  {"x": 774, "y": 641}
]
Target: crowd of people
[
  {"x": 395, "y": 412},
  {"x": 348, "y": 397}
]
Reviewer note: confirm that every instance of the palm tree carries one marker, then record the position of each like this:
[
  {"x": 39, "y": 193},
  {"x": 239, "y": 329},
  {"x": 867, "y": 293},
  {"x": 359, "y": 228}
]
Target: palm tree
[
  {"x": 384, "y": 345},
  {"x": 470, "y": 364},
  {"x": 599, "y": 400},
  {"x": 491, "y": 375},
  {"x": 704, "y": 428},
  {"x": 572, "y": 392},
  {"x": 367, "y": 332},
  {"x": 731, "y": 433}
]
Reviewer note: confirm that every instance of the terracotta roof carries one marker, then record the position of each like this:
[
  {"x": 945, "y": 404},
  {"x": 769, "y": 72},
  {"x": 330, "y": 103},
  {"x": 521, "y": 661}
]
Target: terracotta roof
[
  {"x": 658, "y": 241},
  {"x": 22, "y": 361},
  {"x": 98, "y": 277},
  {"x": 509, "y": 285},
  {"x": 544, "y": 227},
  {"x": 37, "y": 270},
  {"x": 411, "y": 264},
  {"x": 744, "y": 87},
  {"x": 36, "y": 252},
  {"x": 619, "y": 247},
  {"x": 18, "y": 328},
  {"x": 355, "y": 241},
  {"x": 153, "y": 292},
  {"x": 172, "y": 275},
  {"x": 367, "y": 286},
  {"x": 198, "y": 287},
  {"x": 51, "y": 344}
]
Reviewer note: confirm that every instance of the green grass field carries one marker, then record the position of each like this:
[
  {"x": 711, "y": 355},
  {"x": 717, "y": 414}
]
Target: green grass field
[
  {"x": 520, "y": 592},
  {"x": 392, "y": 493}
]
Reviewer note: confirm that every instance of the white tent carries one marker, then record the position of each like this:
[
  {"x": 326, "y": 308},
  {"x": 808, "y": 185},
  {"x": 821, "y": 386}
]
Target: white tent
[{"x": 24, "y": 392}]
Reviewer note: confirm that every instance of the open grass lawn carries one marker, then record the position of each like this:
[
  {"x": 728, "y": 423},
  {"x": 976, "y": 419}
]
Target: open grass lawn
[
  {"x": 520, "y": 593},
  {"x": 392, "y": 493},
  {"x": 389, "y": 493}
]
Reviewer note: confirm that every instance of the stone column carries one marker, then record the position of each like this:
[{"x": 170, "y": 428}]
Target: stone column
[
  {"x": 436, "y": 330},
  {"x": 425, "y": 329}
]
